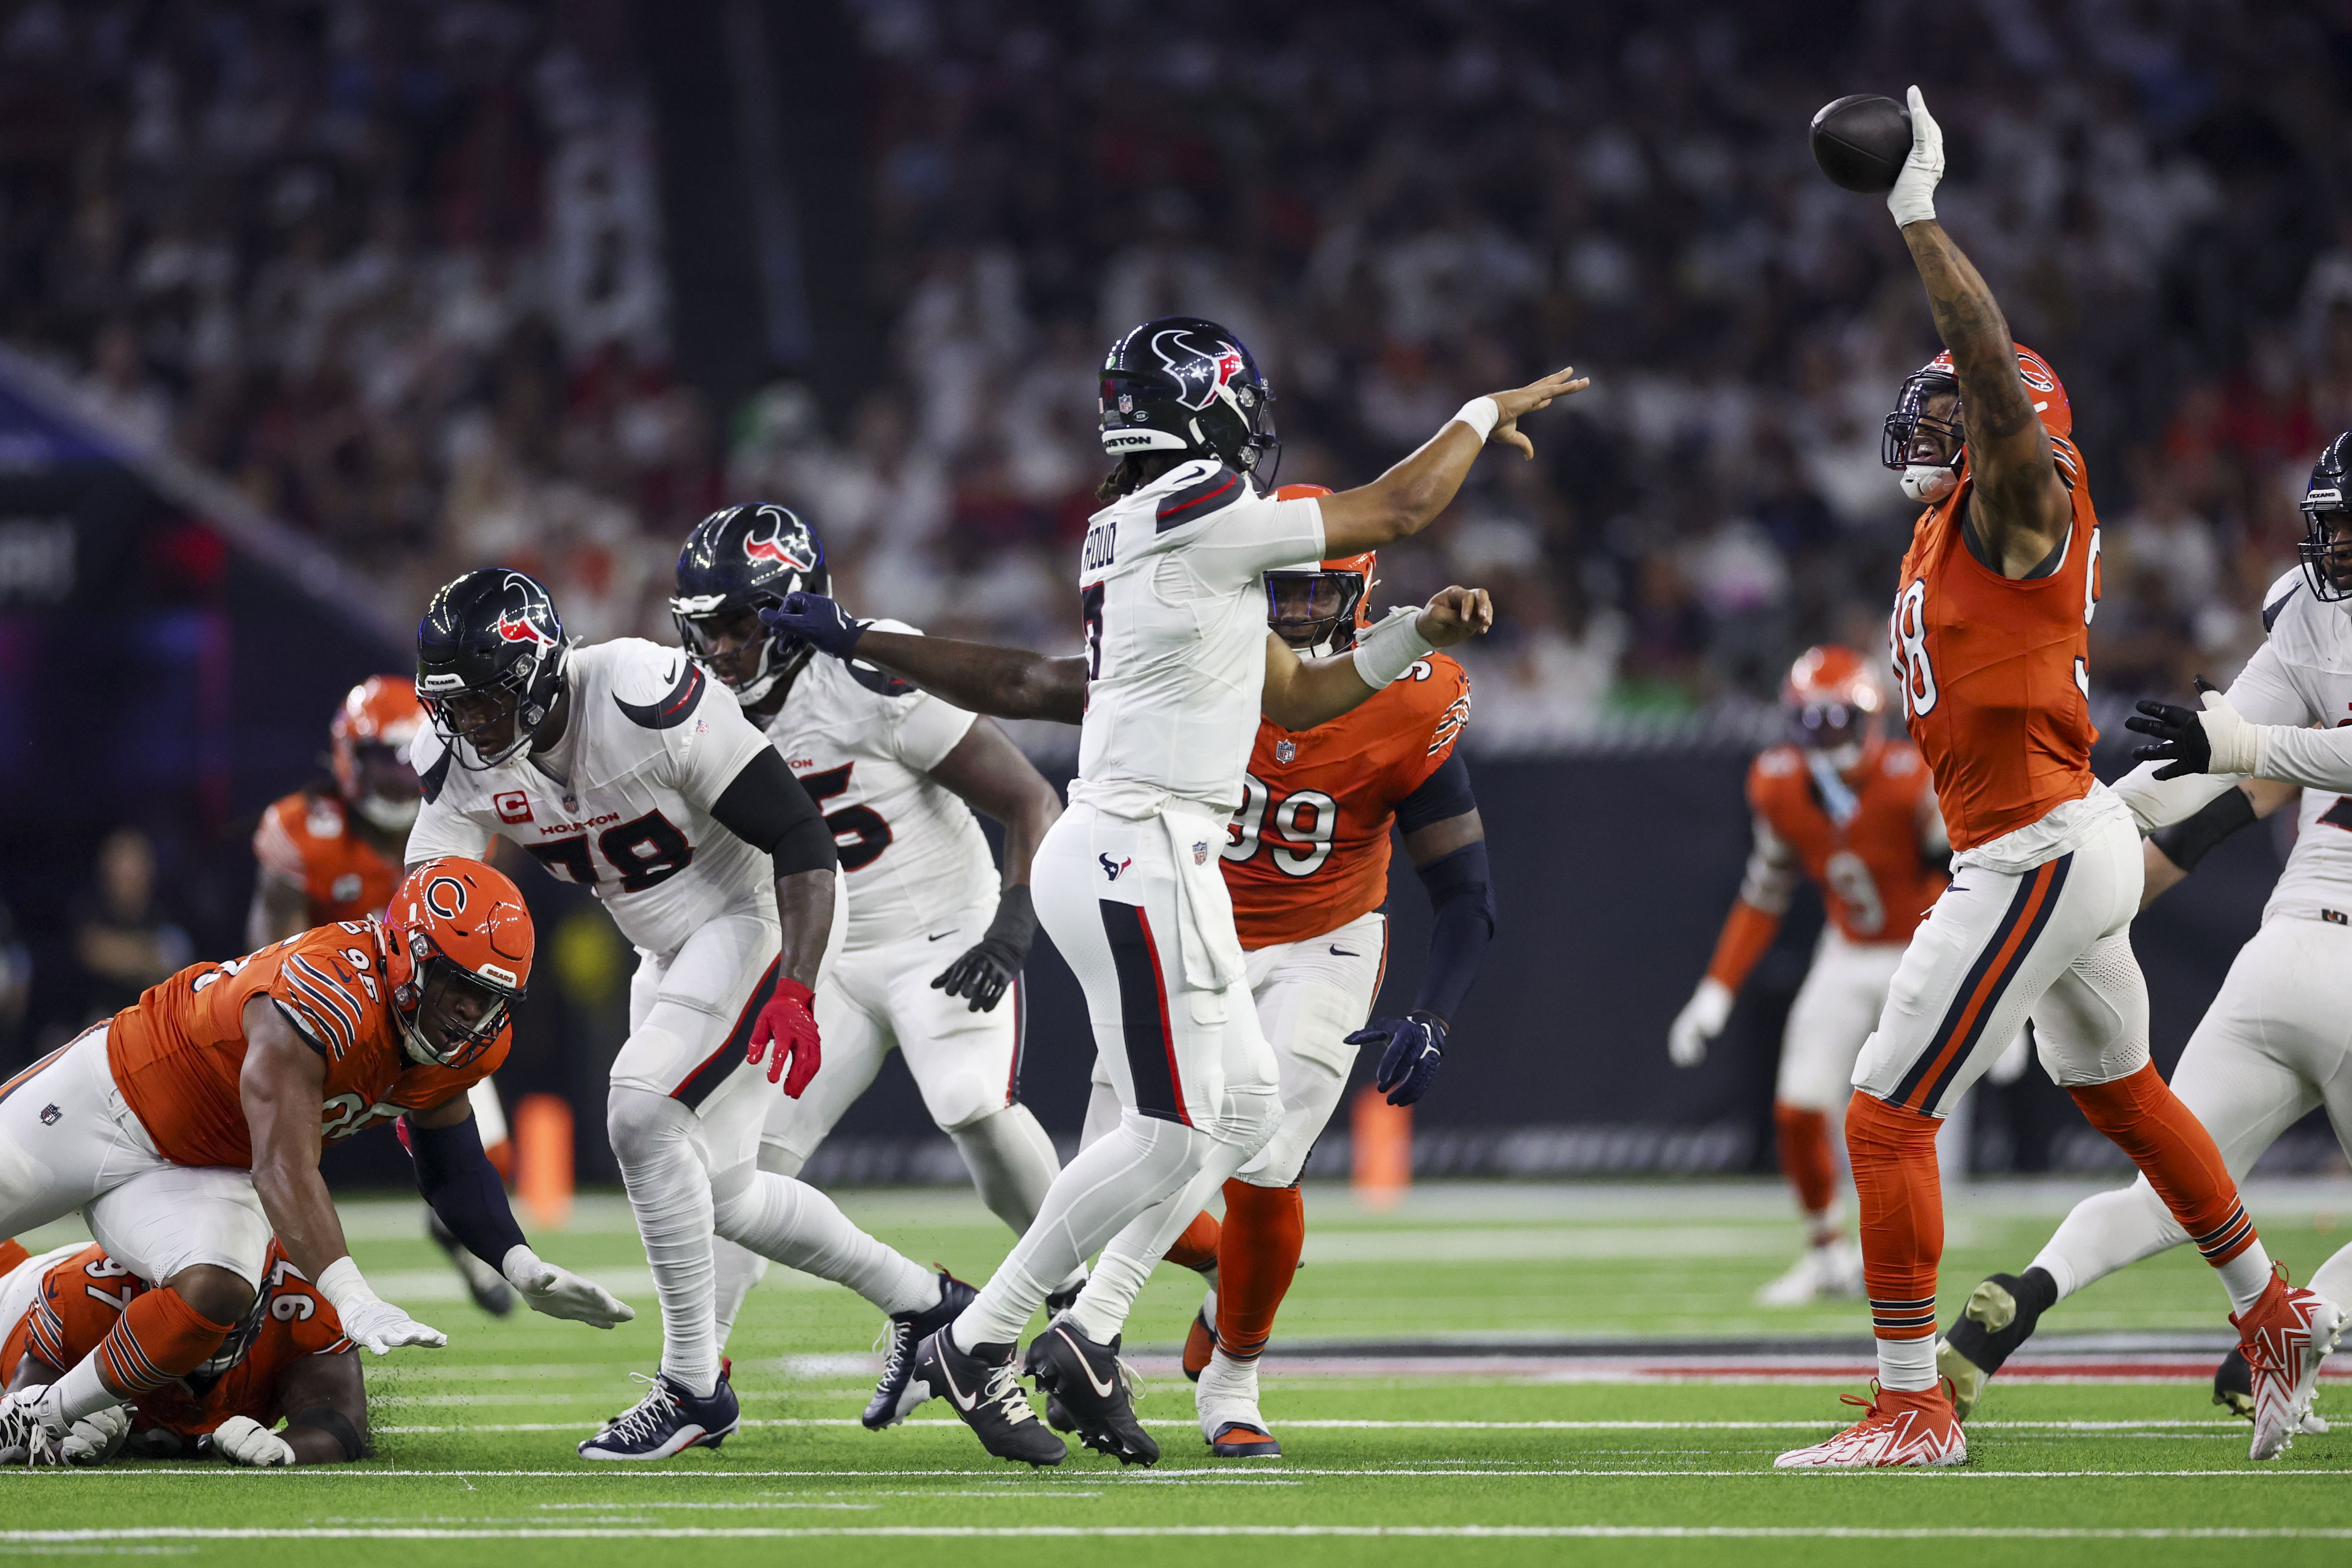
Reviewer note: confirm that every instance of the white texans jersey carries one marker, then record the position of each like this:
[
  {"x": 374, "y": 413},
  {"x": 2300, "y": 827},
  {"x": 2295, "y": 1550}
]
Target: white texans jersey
[
  {"x": 863, "y": 743},
  {"x": 1171, "y": 585},
  {"x": 651, "y": 744},
  {"x": 2302, "y": 674}
]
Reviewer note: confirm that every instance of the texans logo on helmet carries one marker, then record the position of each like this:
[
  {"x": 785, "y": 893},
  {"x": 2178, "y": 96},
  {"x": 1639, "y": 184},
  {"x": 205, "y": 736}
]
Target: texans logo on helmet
[
  {"x": 770, "y": 545},
  {"x": 1199, "y": 368}
]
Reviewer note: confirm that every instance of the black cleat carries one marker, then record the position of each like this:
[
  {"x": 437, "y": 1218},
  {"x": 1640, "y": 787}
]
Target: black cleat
[
  {"x": 2000, "y": 1315},
  {"x": 485, "y": 1284},
  {"x": 1060, "y": 1301},
  {"x": 979, "y": 1386},
  {"x": 900, "y": 1390},
  {"x": 1091, "y": 1386}
]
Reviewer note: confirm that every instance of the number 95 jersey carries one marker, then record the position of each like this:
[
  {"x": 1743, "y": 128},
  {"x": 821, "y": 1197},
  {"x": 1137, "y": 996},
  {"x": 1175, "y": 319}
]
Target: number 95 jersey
[
  {"x": 622, "y": 804},
  {"x": 1308, "y": 850}
]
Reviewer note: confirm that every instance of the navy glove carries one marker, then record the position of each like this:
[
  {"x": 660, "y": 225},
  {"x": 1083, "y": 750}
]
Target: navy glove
[
  {"x": 1416, "y": 1050},
  {"x": 989, "y": 965},
  {"x": 2180, "y": 736},
  {"x": 816, "y": 620}
]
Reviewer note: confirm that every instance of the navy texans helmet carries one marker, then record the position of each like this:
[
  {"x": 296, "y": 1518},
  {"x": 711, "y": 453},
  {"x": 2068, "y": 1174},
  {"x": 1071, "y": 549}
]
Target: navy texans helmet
[
  {"x": 737, "y": 561},
  {"x": 2326, "y": 501},
  {"x": 1183, "y": 384},
  {"x": 491, "y": 645}
]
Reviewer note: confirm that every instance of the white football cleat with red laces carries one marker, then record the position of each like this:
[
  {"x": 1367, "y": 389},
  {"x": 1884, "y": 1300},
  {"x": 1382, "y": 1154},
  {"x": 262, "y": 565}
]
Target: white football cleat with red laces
[
  {"x": 1900, "y": 1427},
  {"x": 2285, "y": 1337}
]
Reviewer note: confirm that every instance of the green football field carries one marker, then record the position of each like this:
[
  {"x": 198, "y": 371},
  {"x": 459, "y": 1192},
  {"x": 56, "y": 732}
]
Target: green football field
[{"x": 1585, "y": 1443}]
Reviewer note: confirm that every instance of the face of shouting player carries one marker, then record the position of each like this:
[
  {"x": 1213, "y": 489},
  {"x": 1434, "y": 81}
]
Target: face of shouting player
[
  {"x": 729, "y": 642},
  {"x": 1935, "y": 440},
  {"x": 1306, "y": 609}
]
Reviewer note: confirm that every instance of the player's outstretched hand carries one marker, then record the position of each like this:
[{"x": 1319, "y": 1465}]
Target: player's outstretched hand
[
  {"x": 1510, "y": 405},
  {"x": 1415, "y": 1049},
  {"x": 784, "y": 1036},
  {"x": 816, "y": 620},
  {"x": 242, "y": 1440},
  {"x": 559, "y": 1293},
  {"x": 1913, "y": 198},
  {"x": 990, "y": 965},
  {"x": 1455, "y": 615},
  {"x": 2217, "y": 740},
  {"x": 96, "y": 1438},
  {"x": 1701, "y": 1019},
  {"x": 377, "y": 1325}
]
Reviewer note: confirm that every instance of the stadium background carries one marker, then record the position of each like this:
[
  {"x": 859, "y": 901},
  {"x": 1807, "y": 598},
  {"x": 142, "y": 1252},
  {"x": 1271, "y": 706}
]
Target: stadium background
[{"x": 304, "y": 307}]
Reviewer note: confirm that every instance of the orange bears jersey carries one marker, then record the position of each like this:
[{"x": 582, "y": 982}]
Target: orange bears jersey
[
  {"x": 1870, "y": 871},
  {"x": 1995, "y": 674},
  {"x": 178, "y": 1051},
  {"x": 82, "y": 1298},
  {"x": 1308, "y": 852},
  {"x": 312, "y": 841}
]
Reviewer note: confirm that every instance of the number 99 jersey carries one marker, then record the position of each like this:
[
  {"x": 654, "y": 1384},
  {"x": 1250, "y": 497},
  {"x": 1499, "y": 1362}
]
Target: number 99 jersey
[{"x": 1308, "y": 850}]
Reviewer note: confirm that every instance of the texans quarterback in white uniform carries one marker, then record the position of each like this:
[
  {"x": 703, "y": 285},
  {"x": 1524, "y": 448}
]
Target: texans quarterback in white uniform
[
  {"x": 610, "y": 767},
  {"x": 1179, "y": 666},
  {"x": 930, "y": 960},
  {"x": 2272, "y": 1046}
]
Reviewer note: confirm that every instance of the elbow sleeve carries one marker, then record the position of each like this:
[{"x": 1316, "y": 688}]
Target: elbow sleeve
[
  {"x": 1461, "y": 907},
  {"x": 2186, "y": 843},
  {"x": 767, "y": 808},
  {"x": 458, "y": 1180}
]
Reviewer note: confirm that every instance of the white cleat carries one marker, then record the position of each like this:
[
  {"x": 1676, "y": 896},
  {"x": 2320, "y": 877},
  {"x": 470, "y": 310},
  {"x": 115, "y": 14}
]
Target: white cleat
[
  {"x": 25, "y": 1438},
  {"x": 1834, "y": 1271},
  {"x": 2285, "y": 1337},
  {"x": 1898, "y": 1429}
]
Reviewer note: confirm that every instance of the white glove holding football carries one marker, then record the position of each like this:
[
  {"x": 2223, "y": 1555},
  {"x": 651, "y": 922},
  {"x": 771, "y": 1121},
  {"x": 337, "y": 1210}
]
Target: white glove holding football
[
  {"x": 559, "y": 1293},
  {"x": 94, "y": 1439},
  {"x": 1701, "y": 1019},
  {"x": 241, "y": 1440},
  {"x": 1913, "y": 199},
  {"x": 368, "y": 1319}
]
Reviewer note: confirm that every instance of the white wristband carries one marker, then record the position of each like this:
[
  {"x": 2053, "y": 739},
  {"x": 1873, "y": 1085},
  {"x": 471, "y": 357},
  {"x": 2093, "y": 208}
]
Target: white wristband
[
  {"x": 340, "y": 1284},
  {"x": 1480, "y": 413},
  {"x": 1390, "y": 647}
]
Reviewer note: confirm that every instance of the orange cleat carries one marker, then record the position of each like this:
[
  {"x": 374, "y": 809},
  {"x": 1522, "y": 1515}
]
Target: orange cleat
[
  {"x": 1200, "y": 1344},
  {"x": 1901, "y": 1427},
  {"x": 2285, "y": 1337}
]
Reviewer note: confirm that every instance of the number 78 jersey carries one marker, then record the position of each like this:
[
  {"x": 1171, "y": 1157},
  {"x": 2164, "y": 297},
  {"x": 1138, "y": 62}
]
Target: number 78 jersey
[{"x": 1308, "y": 850}]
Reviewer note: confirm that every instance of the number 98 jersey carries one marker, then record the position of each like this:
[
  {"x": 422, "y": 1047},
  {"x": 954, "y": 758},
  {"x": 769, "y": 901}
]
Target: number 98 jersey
[{"x": 1308, "y": 850}]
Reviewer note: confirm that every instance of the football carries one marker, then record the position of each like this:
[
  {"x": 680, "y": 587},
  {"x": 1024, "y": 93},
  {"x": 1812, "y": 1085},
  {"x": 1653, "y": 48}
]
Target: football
[{"x": 1861, "y": 141}]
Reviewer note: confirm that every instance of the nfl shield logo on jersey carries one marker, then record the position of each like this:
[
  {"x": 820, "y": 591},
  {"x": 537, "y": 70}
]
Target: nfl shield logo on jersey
[
  {"x": 50, "y": 1115},
  {"x": 1285, "y": 749},
  {"x": 1199, "y": 852}
]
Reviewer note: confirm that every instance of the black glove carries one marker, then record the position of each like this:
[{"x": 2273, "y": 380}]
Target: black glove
[
  {"x": 816, "y": 620},
  {"x": 1416, "y": 1050},
  {"x": 2180, "y": 736},
  {"x": 984, "y": 972}
]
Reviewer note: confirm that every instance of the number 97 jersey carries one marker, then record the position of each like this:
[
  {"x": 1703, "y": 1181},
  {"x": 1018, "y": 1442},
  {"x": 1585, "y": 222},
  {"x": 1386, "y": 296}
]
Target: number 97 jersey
[{"x": 1308, "y": 850}]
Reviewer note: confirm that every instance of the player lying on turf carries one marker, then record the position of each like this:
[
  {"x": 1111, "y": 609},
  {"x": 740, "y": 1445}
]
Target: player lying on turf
[
  {"x": 287, "y": 1359},
  {"x": 612, "y": 767},
  {"x": 187, "y": 1129},
  {"x": 1177, "y": 669},
  {"x": 1991, "y": 644},
  {"x": 1855, "y": 812},
  {"x": 323, "y": 856},
  {"x": 935, "y": 939},
  {"x": 2272, "y": 1046}
]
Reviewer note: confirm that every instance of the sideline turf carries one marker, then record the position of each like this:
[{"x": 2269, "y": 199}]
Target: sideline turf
[{"x": 800, "y": 1358}]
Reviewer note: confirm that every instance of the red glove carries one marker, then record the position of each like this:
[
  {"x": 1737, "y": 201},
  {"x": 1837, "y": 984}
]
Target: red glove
[{"x": 787, "y": 1024}]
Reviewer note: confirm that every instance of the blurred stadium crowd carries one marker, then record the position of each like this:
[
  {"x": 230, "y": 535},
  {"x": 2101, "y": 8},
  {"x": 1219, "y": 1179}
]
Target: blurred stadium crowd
[{"x": 395, "y": 268}]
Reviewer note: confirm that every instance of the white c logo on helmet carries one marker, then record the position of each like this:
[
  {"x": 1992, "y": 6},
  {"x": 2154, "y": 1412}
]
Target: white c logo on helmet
[{"x": 445, "y": 897}]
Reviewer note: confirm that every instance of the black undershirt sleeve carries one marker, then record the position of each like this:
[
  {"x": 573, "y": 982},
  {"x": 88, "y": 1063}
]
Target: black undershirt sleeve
[
  {"x": 767, "y": 808},
  {"x": 1445, "y": 792},
  {"x": 2186, "y": 843}
]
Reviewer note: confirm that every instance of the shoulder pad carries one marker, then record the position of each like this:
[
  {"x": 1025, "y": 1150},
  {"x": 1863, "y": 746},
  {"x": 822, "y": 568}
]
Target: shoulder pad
[
  {"x": 2279, "y": 594},
  {"x": 434, "y": 774},
  {"x": 674, "y": 705},
  {"x": 1778, "y": 763},
  {"x": 1200, "y": 498},
  {"x": 879, "y": 682},
  {"x": 1899, "y": 762}
]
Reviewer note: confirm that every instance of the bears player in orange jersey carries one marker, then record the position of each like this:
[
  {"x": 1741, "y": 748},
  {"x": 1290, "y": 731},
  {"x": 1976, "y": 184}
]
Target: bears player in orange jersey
[
  {"x": 1305, "y": 862},
  {"x": 287, "y": 1358},
  {"x": 184, "y": 1130},
  {"x": 1990, "y": 639},
  {"x": 324, "y": 857},
  {"x": 1855, "y": 812}
]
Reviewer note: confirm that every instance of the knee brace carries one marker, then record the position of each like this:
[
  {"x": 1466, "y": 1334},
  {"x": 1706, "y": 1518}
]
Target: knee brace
[{"x": 1247, "y": 1119}]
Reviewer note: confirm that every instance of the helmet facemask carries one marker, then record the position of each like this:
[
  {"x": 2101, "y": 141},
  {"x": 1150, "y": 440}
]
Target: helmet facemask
[
  {"x": 449, "y": 1014},
  {"x": 1924, "y": 438},
  {"x": 1314, "y": 611},
  {"x": 387, "y": 794},
  {"x": 2327, "y": 546},
  {"x": 1838, "y": 732},
  {"x": 518, "y": 701},
  {"x": 736, "y": 647}
]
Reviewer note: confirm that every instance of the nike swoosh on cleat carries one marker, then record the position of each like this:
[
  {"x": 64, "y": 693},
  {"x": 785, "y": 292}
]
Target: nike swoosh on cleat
[
  {"x": 962, "y": 1402},
  {"x": 1102, "y": 1390}
]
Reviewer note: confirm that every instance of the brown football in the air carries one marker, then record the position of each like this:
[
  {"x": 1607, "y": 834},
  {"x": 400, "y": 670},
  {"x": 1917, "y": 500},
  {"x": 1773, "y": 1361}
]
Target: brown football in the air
[{"x": 1862, "y": 140}]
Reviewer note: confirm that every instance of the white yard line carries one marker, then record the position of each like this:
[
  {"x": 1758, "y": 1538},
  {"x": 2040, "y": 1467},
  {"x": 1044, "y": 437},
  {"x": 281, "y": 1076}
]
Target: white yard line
[{"x": 1441, "y": 1531}]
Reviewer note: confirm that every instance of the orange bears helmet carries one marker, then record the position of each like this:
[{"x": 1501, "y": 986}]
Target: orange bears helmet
[
  {"x": 382, "y": 711},
  {"x": 1351, "y": 575},
  {"x": 458, "y": 943},
  {"x": 1939, "y": 376},
  {"x": 1831, "y": 697}
]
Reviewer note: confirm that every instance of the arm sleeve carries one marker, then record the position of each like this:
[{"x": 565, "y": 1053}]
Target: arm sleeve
[
  {"x": 767, "y": 808},
  {"x": 1462, "y": 909},
  {"x": 2263, "y": 693},
  {"x": 2316, "y": 758},
  {"x": 1444, "y": 794},
  {"x": 458, "y": 1180},
  {"x": 2186, "y": 843}
]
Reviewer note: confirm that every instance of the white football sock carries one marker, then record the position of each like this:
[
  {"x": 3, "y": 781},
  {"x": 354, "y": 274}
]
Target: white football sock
[
  {"x": 1102, "y": 1308},
  {"x": 1011, "y": 1162},
  {"x": 1227, "y": 1392},
  {"x": 2246, "y": 1276},
  {"x": 1909, "y": 1365},
  {"x": 2107, "y": 1231},
  {"x": 800, "y": 1227},
  {"x": 80, "y": 1392},
  {"x": 2333, "y": 1279},
  {"x": 1130, "y": 1168},
  {"x": 736, "y": 1268},
  {"x": 669, "y": 1192}
]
